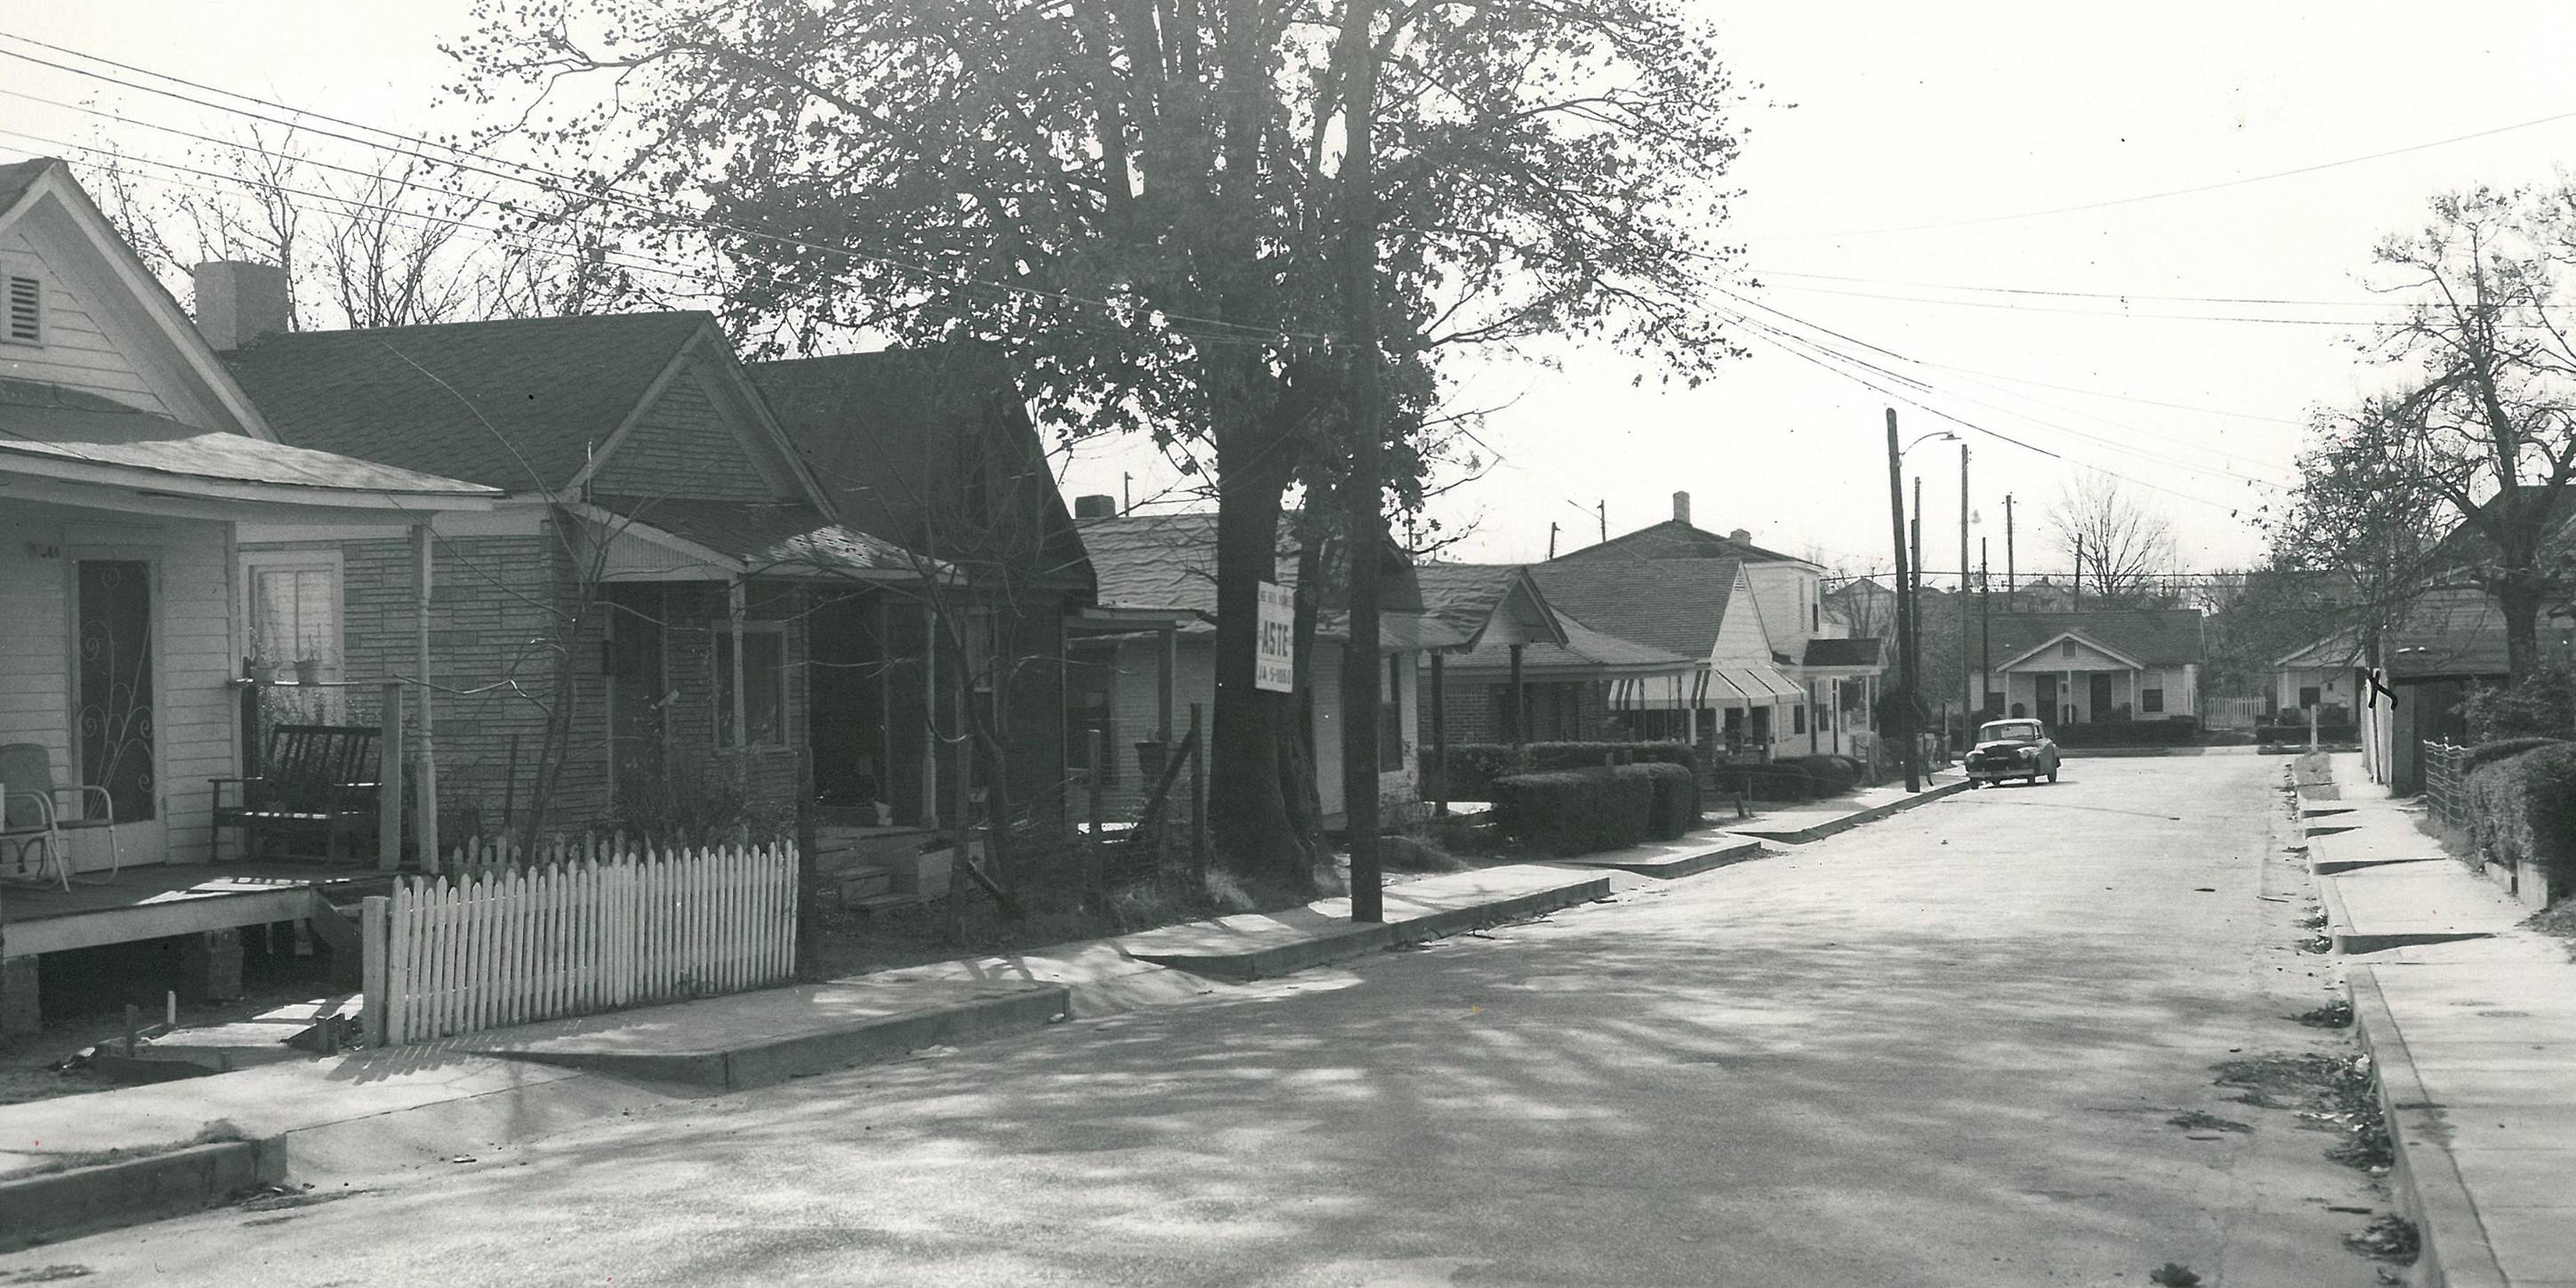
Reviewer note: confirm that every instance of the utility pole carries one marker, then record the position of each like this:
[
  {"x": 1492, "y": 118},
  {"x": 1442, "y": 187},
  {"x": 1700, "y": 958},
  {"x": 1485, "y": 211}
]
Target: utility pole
[
  {"x": 1604, "y": 509},
  {"x": 1126, "y": 493},
  {"x": 2011, "y": 585},
  {"x": 1963, "y": 580},
  {"x": 1905, "y": 632},
  {"x": 1985, "y": 634},
  {"x": 2075, "y": 598},
  {"x": 1551, "y": 539},
  {"x": 1914, "y": 597},
  {"x": 1362, "y": 667}
]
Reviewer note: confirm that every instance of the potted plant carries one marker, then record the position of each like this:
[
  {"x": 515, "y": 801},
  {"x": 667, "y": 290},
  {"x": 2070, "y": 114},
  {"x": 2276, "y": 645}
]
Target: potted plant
[
  {"x": 263, "y": 672},
  {"x": 308, "y": 670}
]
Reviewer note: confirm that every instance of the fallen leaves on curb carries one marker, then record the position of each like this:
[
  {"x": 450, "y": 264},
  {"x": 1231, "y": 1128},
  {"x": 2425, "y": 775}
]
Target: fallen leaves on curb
[
  {"x": 2173, "y": 1274},
  {"x": 2195, "y": 1120},
  {"x": 2390, "y": 1238}
]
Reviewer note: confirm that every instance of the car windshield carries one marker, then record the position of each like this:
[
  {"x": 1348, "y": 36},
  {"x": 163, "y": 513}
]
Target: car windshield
[{"x": 2009, "y": 731}]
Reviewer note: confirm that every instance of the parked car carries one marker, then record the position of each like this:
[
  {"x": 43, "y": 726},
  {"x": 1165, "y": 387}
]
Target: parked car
[{"x": 2012, "y": 749}]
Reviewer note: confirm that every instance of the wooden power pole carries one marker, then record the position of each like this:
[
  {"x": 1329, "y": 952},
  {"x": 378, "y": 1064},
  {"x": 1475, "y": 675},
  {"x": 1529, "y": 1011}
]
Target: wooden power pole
[
  {"x": 1904, "y": 720},
  {"x": 1362, "y": 668}
]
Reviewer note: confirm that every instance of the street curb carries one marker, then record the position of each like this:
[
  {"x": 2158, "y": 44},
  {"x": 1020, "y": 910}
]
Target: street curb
[
  {"x": 82, "y": 1200},
  {"x": 2455, "y": 1249},
  {"x": 874, "y": 1041},
  {"x": 1688, "y": 865},
  {"x": 1854, "y": 819},
  {"x": 2338, "y": 867},
  {"x": 1359, "y": 940}
]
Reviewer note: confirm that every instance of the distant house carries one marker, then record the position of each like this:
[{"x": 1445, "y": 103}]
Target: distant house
[
  {"x": 1582, "y": 686},
  {"x": 2319, "y": 676},
  {"x": 132, "y": 465},
  {"x": 2096, "y": 667},
  {"x": 1772, "y": 674},
  {"x": 1156, "y": 617},
  {"x": 631, "y": 621}
]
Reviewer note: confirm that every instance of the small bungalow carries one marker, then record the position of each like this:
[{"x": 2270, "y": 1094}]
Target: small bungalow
[
  {"x": 625, "y": 637},
  {"x": 2319, "y": 677},
  {"x": 2095, "y": 667},
  {"x": 132, "y": 465}
]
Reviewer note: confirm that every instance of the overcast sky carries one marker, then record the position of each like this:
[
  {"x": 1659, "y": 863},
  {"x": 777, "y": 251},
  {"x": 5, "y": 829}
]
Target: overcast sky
[{"x": 1876, "y": 206}]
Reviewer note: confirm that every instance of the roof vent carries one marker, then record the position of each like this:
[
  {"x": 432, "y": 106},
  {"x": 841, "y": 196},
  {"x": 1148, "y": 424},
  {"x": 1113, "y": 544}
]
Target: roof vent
[
  {"x": 1095, "y": 507},
  {"x": 1741, "y": 536}
]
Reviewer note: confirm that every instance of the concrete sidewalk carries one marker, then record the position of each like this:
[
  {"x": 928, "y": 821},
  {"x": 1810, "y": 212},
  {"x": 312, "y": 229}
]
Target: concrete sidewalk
[
  {"x": 1800, "y": 824},
  {"x": 116, "y": 1157},
  {"x": 2470, "y": 1021}
]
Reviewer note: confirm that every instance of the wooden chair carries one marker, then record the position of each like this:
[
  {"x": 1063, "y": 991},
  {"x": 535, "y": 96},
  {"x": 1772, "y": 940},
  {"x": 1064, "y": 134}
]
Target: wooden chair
[
  {"x": 32, "y": 815},
  {"x": 316, "y": 780}
]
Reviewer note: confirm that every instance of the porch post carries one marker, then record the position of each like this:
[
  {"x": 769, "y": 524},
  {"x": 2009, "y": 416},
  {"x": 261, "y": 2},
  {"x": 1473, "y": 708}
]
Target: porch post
[
  {"x": 424, "y": 546},
  {"x": 2134, "y": 713},
  {"x": 1439, "y": 742},
  {"x": 1166, "y": 677},
  {"x": 1517, "y": 714},
  {"x": 389, "y": 793},
  {"x": 929, "y": 715},
  {"x": 734, "y": 597}
]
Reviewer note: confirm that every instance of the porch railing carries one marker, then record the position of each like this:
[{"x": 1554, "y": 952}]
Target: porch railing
[
  {"x": 2446, "y": 782},
  {"x": 448, "y": 955}
]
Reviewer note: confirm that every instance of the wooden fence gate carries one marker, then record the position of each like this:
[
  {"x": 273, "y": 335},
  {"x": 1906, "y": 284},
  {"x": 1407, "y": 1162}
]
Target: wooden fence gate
[{"x": 448, "y": 955}]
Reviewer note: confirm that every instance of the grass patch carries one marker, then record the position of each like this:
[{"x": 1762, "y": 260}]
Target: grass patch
[{"x": 2390, "y": 1238}]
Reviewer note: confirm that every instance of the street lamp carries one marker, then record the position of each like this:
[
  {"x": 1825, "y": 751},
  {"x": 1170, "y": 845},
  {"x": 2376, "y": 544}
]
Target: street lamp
[{"x": 1905, "y": 596}]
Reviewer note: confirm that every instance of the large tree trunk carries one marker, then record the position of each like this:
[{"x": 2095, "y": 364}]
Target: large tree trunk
[
  {"x": 2520, "y": 598},
  {"x": 1248, "y": 817}
]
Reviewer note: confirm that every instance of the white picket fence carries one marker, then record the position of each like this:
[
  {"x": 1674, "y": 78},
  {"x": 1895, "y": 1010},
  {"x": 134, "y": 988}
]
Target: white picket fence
[{"x": 456, "y": 954}]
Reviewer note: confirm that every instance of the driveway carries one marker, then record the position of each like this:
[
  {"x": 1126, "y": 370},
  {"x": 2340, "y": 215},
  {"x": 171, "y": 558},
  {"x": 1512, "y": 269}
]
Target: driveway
[{"x": 1942, "y": 1049}]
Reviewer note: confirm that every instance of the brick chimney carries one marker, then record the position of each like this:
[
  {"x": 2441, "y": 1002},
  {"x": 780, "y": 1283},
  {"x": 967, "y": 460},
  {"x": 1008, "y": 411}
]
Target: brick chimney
[
  {"x": 1095, "y": 507},
  {"x": 1681, "y": 507},
  {"x": 1741, "y": 536},
  {"x": 239, "y": 301}
]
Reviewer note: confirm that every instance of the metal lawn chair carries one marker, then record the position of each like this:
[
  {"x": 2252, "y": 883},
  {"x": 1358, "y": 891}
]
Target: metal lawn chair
[{"x": 31, "y": 814}]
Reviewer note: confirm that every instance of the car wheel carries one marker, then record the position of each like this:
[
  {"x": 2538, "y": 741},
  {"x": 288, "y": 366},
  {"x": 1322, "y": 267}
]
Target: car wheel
[
  {"x": 2052, "y": 773},
  {"x": 2032, "y": 781}
]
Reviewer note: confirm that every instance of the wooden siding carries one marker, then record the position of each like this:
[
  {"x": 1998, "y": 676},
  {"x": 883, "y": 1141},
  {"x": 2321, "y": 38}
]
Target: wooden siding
[
  {"x": 685, "y": 446},
  {"x": 76, "y": 352}
]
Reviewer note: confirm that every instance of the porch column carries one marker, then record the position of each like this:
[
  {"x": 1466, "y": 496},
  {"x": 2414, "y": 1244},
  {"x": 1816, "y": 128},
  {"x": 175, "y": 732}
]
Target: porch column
[
  {"x": 424, "y": 546},
  {"x": 929, "y": 716},
  {"x": 1439, "y": 742},
  {"x": 2134, "y": 713},
  {"x": 389, "y": 776},
  {"x": 1166, "y": 678},
  {"x": 734, "y": 608},
  {"x": 1515, "y": 709}
]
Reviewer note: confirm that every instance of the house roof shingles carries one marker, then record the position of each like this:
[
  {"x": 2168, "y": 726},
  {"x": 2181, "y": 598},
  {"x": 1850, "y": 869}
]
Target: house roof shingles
[
  {"x": 1675, "y": 605},
  {"x": 19, "y": 176},
  {"x": 1674, "y": 539},
  {"x": 68, "y": 424},
  {"x": 2154, "y": 636},
  {"x": 518, "y": 404}
]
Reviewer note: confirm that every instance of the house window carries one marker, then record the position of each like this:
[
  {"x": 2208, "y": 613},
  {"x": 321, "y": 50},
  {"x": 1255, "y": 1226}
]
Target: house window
[
  {"x": 764, "y": 683},
  {"x": 2151, "y": 701},
  {"x": 1798, "y": 718},
  {"x": 293, "y": 613},
  {"x": 2066, "y": 648},
  {"x": 2308, "y": 697},
  {"x": 26, "y": 306},
  {"x": 1390, "y": 717},
  {"x": 1088, "y": 723}
]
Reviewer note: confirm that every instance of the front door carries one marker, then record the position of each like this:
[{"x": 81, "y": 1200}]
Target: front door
[
  {"x": 112, "y": 676},
  {"x": 2101, "y": 704},
  {"x": 2043, "y": 699},
  {"x": 639, "y": 693}
]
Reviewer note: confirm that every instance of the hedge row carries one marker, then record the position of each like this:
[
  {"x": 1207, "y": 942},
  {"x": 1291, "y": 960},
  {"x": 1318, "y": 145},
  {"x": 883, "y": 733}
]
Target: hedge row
[
  {"x": 1580, "y": 811},
  {"x": 2522, "y": 809},
  {"x": 2175, "y": 732},
  {"x": 1796, "y": 778},
  {"x": 1473, "y": 766}
]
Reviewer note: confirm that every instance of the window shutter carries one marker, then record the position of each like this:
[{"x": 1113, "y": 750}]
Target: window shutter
[{"x": 26, "y": 311}]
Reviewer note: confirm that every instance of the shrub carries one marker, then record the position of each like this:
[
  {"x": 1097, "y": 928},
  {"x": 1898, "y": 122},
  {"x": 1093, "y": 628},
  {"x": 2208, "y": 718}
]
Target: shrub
[
  {"x": 1473, "y": 767},
  {"x": 1568, "y": 812},
  {"x": 1775, "y": 781},
  {"x": 1831, "y": 775},
  {"x": 2176, "y": 732},
  {"x": 1588, "y": 755},
  {"x": 2544, "y": 703},
  {"x": 2488, "y": 753},
  {"x": 2522, "y": 809},
  {"x": 1674, "y": 807}
]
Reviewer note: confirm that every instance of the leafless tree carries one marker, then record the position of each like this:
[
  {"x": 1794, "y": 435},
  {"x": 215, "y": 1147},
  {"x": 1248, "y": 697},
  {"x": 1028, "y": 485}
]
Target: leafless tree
[{"x": 2118, "y": 544}]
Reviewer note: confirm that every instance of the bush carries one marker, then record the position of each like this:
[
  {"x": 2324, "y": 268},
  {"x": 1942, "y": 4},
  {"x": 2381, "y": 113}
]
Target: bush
[
  {"x": 2488, "y": 753},
  {"x": 1569, "y": 812},
  {"x": 1776, "y": 781},
  {"x": 2522, "y": 809},
  {"x": 1674, "y": 807},
  {"x": 1830, "y": 775},
  {"x": 2176, "y": 732},
  {"x": 1545, "y": 756},
  {"x": 1473, "y": 767},
  {"x": 2544, "y": 703}
]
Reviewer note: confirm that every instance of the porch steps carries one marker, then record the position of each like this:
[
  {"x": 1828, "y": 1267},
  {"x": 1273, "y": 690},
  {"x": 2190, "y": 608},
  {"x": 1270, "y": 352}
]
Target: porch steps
[{"x": 291, "y": 1032}]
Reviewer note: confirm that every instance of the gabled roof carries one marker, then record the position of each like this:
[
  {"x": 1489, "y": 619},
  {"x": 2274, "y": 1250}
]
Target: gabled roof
[
  {"x": 2338, "y": 648},
  {"x": 32, "y": 194},
  {"x": 1468, "y": 597},
  {"x": 518, "y": 404},
  {"x": 1674, "y": 539},
  {"x": 893, "y": 435},
  {"x": 106, "y": 439},
  {"x": 2152, "y": 636},
  {"x": 1584, "y": 652},
  {"x": 1164, "y": 561},
  {"x": 2078, "y": 638},
  {"x": 1676, "y": 605}
]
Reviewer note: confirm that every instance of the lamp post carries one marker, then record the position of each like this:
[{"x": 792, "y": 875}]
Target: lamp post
[{"x": 1906, "y": 586}]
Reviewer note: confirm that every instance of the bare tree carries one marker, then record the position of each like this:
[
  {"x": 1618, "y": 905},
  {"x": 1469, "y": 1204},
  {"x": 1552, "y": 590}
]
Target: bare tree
[{"x": 2119, "y": 545}]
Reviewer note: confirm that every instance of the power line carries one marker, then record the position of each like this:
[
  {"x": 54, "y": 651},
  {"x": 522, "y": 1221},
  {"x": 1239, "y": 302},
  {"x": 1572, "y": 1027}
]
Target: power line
[
  {"x": 2087, "y": 295},
  {"x": 2193, "y": 190}
]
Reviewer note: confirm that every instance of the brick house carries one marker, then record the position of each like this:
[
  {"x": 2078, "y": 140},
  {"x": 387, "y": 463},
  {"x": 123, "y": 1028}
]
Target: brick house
[
  {"x": 934, "y": 450},
  {"x": 626, "y": 632}
]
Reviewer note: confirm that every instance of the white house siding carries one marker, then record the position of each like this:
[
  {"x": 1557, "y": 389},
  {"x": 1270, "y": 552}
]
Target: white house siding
[
  {"x": 1741, "y": 640},
  {"x": 194, "y": 703},
  {"x": 1396, "y": 788},
  {"x": 2333, "y": 684},
  {"x": 1790, "y": 598},
  {"x": 76, "y": 352}
]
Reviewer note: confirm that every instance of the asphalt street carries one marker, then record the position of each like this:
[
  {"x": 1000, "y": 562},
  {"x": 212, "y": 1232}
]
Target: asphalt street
[{"x": 1946, "y": 1048}]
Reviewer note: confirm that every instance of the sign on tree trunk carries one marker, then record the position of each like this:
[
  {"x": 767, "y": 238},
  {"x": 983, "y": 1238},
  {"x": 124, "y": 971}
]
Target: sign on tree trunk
[{"x": 1274, "y": 669}]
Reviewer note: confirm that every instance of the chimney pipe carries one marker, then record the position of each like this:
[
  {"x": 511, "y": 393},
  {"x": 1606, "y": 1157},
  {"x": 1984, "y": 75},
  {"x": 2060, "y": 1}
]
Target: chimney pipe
[
  {"x": 1095, "y": 507},
  {"x": 1681, "y": 507},
  {"x": 239, "y": 301}
]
